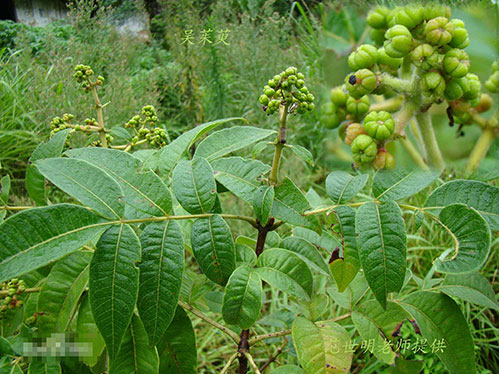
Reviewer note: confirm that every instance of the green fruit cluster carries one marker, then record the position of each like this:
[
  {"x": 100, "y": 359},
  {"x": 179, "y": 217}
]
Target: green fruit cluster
[
  {"x": 13, "y": 288},
  {"x": 82, "y": 75},
  {"x": 157, "y": 137},
  {"x": 492, "y": 83},
  {"x": 367, "y": 140},
  {"x": 342, "y": 106},
  {"x": 287, "y": 89},
  {"x": 60, "y": 123}
]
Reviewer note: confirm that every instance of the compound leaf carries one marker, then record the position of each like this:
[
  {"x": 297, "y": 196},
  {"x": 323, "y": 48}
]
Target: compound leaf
[
  {"x": 114, "y": 281},
  {"x": 399, "y": 184},
  {"x": 441, "y": 320},
  {"x": 33, "y": 238},
  {"x": 88, "y": 184},
  {"x": 481, "y": 196},
  {"x": 243, "y": 297},
  {"x": 194, "y": 185},
  {"x": 286, "y": 271},
  {"x": 231, "y": 139},
  {"x": 382, "y": 247},
  {"x": 471, "y": 236},
  {"x": 213, "y": 248},
  {"x": 135, "y": 355},
  {"x": 343, "y": 187},
  {"x": 319, "y": 346},
  {"x": 160, "y": 279},
  {"x": 177, "y": 348}
]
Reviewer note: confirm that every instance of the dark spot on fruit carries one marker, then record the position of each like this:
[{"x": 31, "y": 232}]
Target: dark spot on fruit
[{"x": 352, "y": 79}]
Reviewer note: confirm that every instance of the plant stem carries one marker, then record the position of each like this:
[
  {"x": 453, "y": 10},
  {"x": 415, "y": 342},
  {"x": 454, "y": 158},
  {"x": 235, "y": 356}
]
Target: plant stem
[
  {"x": 274, "y": 356},
  {"x": 15, "y": 208},
  {"x": 227, "y": 365},
  {"x": 212, "y": 322},
  {"x": 242, "y": 349},
  {"x": 5, "y": 293},
  {"x": 397, "y": 84},
  {"x": 252, "y": 363},
  {"x": 434, "y": 157},
  {"x": 403, "y": 117},
  {"x": 390, "y": 105},
  {"x": 413, "y": 152},
  {"x": 481, "y": 148},
  {"x": 100, "y": 116},
  {"x": 279, "y": 145}
]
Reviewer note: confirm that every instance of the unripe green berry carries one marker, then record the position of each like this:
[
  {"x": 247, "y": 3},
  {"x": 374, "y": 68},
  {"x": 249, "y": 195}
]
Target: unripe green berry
[
  {"x": 423, "y": 56},
  {"x": 357, "y": 107},
  {"x": 384, "y": 160},
  {"x": 379, "y": 125},
  {"x": 311, "y": 106},
  {"x": 300, "y": 83},
  {"x": 456, "y": 88},
  {"x": 474, "y": 92},
  {"x": 270, "y": 92},
  {"x": 292, "y": 79},
  {"x": 399, "y": 41},
  {"x": 310, "y": 98},
  {"x": 378, "y": 36},
  {"x": 436, "y": 10},
  {"x": 495, "y": 66},
  {"x": 484, "y": 104},
  {"x": 331, "y": 121},
  {"x": 456, "y": 63},
  {"x": 492, "y": 84},
  {"x": 439, "y": 31},
  {"x": 291, "y": 70},
  {"x": 353, "y": 130},
  {"x": 361, "y": 83},
  {"x": 338, "y": 96},
  {"x": 409, "y": 16},
  {"x": 364, "y": 149},
  {"x": 264, "y": 100},
  {"x": 363, "y": 57},
  {"x": 460, "y": 107},
  {"x": 460, "y": 35},
  {"x": 432, "y": 83},
  {"x": 376, "y": 18},
  {"x": 384, "y": 60}
]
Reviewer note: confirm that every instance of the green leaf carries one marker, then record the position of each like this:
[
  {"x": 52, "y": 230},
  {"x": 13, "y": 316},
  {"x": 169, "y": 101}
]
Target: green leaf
[
  {"x": 386, "y": 320},
  {"x": 194, "y": 185},
  {"x": 41, "y": 367},
  {"x": 289, "y": 205},
  {"x": 474, "y": 288},
  {"x": 48, "y": 234},
  {"x": 307, "y": 252},
  {"x": 88, "y": 332},
  {"x": 161, "y": 271},
  {"x": 319, "y": 346},
  {"x": 35, "y": 183},
  {"x": 325, "y": 240},
  {"x": 177, "y": 348},
  {"x": 288, "y": 369},
  {"x": 114, "y": 281},
  {"x": 86, "y": 183},
  {"x": 406, "y": 366},
  {"x": 170, "y": 155},
  {"x": 228, "y": 140},
  {"x": 302, "y": 153},
  {"x": 286, "y": 271},
  {"x": 243, "y": 297},
  {"x": 342, "y": 187},
  {"x": 239, "y": 175},
  {"x": 399, "y": 184},
  {"x": 9, "y": 369},
  {"x": 135, "y": 355},
  {"x": 471, "y": 236},
  {"x": 382, "y": 247},
  {"x": 245, "y": 254},
  {"x": 262, "y": 203},
  {"x": 5, "y": 189},
  {"x": 145, "y": 192},
  {"x": 481, "y": 196},
  {"x": 440, "y": 319},
  {"x": 345, "y": 269},
  {"x": 58, "y": 298},
  {"x": 213, "y": 248},
  {"x": 369, "y": 331}
]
